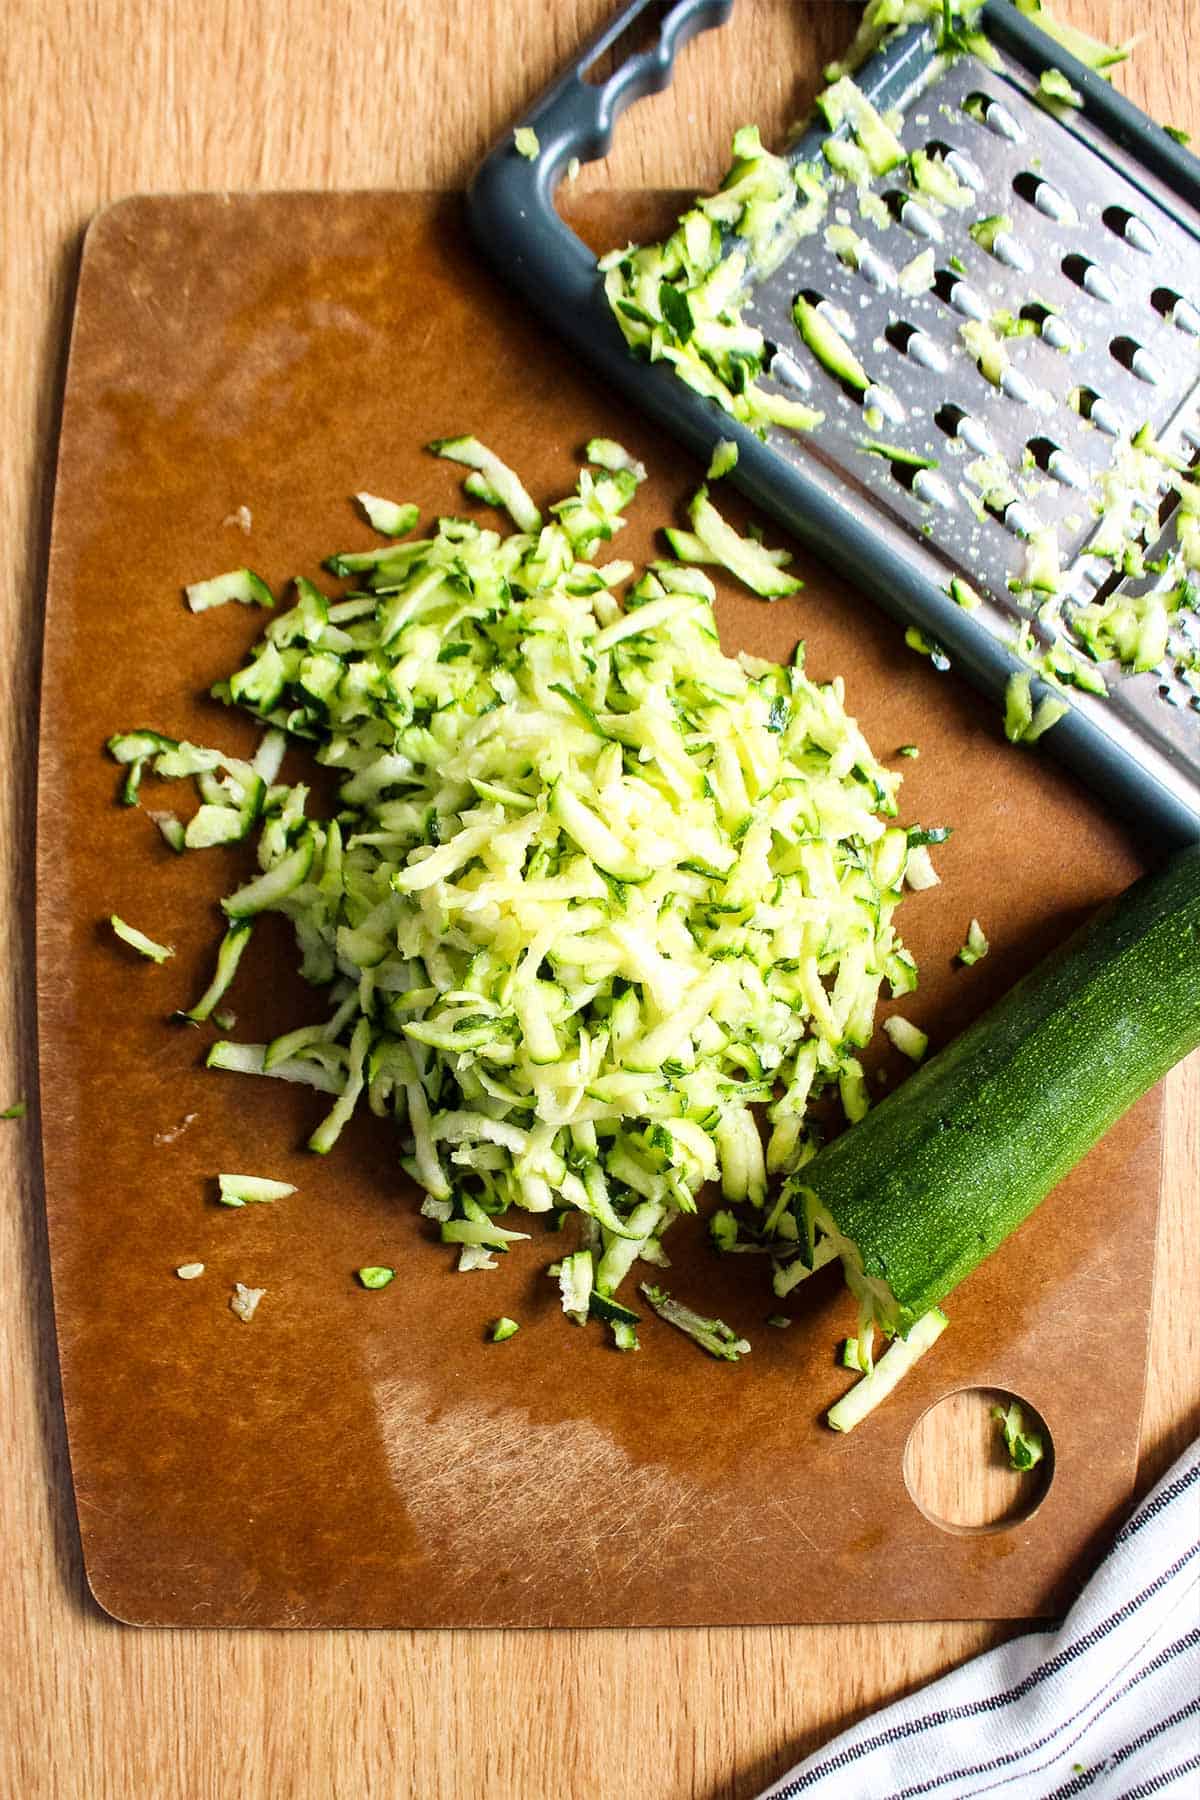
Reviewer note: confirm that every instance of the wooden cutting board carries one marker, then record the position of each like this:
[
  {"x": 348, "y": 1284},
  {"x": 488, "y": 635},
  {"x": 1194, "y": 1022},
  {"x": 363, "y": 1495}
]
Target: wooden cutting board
[{"x": 353, "y": 1458}]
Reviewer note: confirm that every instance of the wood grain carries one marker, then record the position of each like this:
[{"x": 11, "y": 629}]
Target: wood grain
[{"x": 100, "y": 98}]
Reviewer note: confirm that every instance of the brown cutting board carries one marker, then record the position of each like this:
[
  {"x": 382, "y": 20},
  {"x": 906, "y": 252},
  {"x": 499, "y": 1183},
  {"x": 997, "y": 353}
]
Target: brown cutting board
[{"x": 353, "y": 1458}]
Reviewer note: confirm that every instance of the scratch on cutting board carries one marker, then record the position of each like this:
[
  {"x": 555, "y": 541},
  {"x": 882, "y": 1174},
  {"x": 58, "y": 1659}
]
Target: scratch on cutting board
[
  {"x": 476, "y": 1479},
  {"x": 328, "y": 315},
  {"x": 175, "y": 1131}
]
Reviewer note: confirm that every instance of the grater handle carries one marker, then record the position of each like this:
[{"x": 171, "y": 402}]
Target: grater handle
[
  {"x": 575, "y": 117},
  {"x": 510, "y": 200}
]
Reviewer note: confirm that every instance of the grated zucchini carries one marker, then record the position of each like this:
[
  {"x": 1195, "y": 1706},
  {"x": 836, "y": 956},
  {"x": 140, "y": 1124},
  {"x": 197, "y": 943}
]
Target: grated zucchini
[
  {"x": 976, "y": 946},
  {"x": 712, "y": 1335},
  {"x": 387, "y": 517},
  {"x": 242, "y": 585},
  {"x": 591, "y": 893},
  {"x": 908, "y": 1039},
  {"x": 1025, "y": 1448},
  {"x": 137, "y": 940},
  {"x": 251, "y": 1190},
  {"x": 376, "y": 1276},
  {"x": 880, "y": 1378}
]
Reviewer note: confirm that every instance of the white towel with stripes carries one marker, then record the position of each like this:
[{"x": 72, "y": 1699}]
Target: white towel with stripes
[{"x": 1106, "y": 1705}]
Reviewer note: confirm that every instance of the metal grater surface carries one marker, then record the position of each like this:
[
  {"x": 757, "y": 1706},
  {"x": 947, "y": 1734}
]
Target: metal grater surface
[
  {"x": 1113, "y": 267},
  {"x": 1105, "y": 235}
]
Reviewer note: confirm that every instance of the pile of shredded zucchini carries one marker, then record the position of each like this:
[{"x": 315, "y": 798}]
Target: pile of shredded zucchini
[
  {"x": 682, "y": 301},
  {"x": 594, "y": 896}
]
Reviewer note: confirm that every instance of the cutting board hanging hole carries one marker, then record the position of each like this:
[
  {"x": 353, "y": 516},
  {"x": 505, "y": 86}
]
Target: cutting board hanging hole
[{"x": 957, "y": 1466}]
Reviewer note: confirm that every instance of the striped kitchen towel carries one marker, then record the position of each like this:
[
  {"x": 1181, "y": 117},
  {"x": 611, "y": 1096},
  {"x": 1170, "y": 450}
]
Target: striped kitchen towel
[{"x": 1107, "y": 1705}]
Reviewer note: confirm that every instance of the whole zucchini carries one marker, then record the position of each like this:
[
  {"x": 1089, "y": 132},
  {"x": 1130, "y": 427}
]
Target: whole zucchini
[{"x": 918, "y": 1193}]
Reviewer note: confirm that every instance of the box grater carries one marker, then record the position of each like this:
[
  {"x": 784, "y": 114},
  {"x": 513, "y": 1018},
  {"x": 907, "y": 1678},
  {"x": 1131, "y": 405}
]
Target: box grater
[{"x": 1105, "y": 212}]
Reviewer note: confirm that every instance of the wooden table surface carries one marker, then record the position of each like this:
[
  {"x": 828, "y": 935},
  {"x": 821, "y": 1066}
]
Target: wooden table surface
[{"x": 111, "y": 97}]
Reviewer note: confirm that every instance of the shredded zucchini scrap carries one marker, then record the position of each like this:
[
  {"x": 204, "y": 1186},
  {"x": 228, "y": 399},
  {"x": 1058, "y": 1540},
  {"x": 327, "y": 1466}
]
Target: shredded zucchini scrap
[
  {"x": 137, "y": 940},
  {"x": 976, "y": 946},
  {"x": 1025, "y": 1448}
]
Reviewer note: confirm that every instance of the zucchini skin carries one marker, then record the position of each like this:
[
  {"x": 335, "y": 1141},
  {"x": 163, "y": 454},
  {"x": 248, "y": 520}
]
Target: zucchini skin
[{"x": 943, "y": 1170}]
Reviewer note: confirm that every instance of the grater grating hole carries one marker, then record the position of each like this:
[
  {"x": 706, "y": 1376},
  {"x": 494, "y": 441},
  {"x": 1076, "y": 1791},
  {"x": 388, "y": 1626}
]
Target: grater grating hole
[
  {"x": 1094, "y": 407},
  {"x": 995, "y": 510},
  {"x": 782, "y": 366},
  {"x": 959, "y": 294},
  {"x": 876, "y": 270},
  {"x": 923, "y": 484},
  {"x": 902, "y": 474},
  {"x": 1182, "y": 314},
  {"x": 1053, "y": 460},
  {"x": 956, "y": 422},
  {"x": 1044, "y": 197},
  {"x": 910, "y": 341},
  {"x": 1008, "y": 249},
  {"x": 1090, "y": 277},
  {"x": 1012, "y": 382},
  {"x": 1130, "y": 229},
  {"x": 959, "y": 163},
  {"x": 986, "y": 110},
  {"x": 912, "y": 215},
  {"x": 870, "y": 266},
  {"x": 1019, "y": 387},
  {"x": 836, "y": 315},
  {"x": 1133, "y": 356},
  {"x": 882, "y": 401},
  {"x": 1052, "y": 327},
  {"x": 1018, "y": 519}
]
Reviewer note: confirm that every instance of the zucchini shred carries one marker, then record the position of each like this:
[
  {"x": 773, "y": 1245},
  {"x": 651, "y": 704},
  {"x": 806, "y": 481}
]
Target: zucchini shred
[{"x": 595, "y": 899}]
